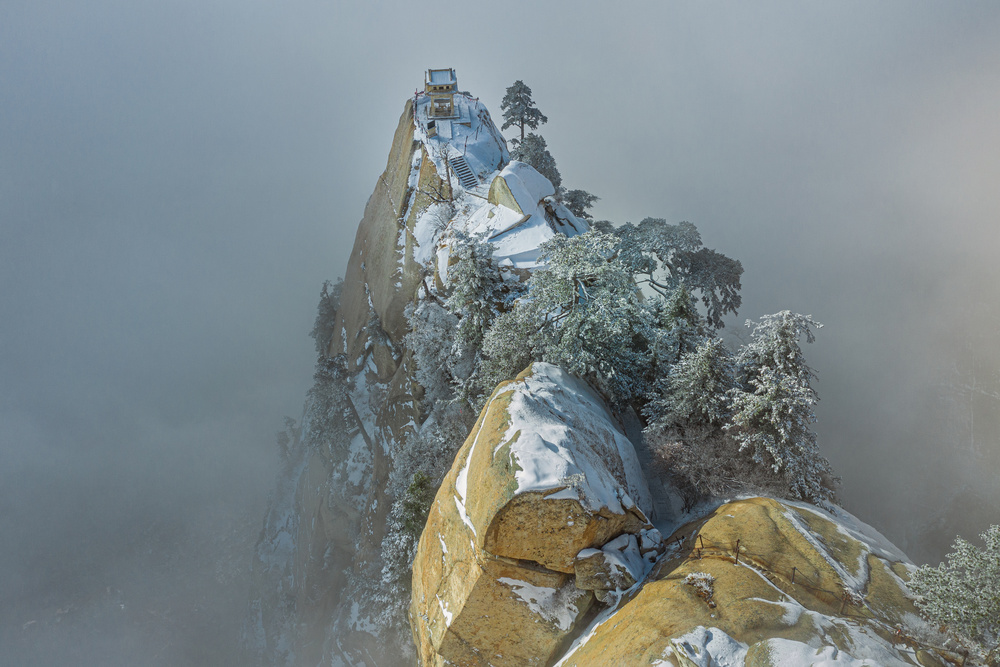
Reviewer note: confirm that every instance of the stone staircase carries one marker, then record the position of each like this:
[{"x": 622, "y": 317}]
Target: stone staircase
[{"x": 463, "y": 171}]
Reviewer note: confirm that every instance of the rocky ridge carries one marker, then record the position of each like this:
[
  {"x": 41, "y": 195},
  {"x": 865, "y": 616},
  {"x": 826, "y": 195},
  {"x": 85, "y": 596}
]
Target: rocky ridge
[
  {"x": 539, "y": 547},
  {"x": 319, "y": 556}
]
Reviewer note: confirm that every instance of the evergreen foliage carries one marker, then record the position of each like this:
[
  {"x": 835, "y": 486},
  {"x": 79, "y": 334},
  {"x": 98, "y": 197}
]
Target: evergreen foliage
[
  {"x": 963, "y": 593},
  {"x": 534, "y": 151},
  {"x": 773, "y": 405},
  {"x": 476, "y": 291},
  {"x": 724, "y": 422},
  {"x": 666, "y": 256},
  {"x": 579, "y": 202},
  {"x": 330, "y": 423},
  {"x": 581, "y": 312},
  {"x": 326, "y": 315},
  {"x": 519, "y": 110}
]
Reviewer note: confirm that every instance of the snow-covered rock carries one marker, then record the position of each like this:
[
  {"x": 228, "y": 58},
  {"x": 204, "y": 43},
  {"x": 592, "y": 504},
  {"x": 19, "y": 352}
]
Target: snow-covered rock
[
  {"x": 810, "y": 588},
  {"x": 546, "y": 473}
]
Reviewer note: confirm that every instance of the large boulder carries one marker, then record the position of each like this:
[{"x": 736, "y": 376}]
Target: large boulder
[
  {"x": 808, "y": 587},
  {"x": 545, "y": 474}
]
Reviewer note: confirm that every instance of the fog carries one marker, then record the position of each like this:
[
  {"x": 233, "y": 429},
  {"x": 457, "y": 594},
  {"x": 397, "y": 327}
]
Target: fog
[{"x": 178, "y": 179}]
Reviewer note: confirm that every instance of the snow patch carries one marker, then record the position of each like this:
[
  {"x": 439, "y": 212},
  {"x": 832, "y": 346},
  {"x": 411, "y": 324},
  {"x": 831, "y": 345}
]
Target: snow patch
[
  {"x": 552, "y": 604},
  {"x": 709, "y": 647},
  {"x": 444, "y": 610},
  {"x": 789, "y": 652},
  {"x": 555, "y": 413}
]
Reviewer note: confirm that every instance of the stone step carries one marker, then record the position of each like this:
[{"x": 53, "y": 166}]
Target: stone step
[{"x": 464, "y": 172}]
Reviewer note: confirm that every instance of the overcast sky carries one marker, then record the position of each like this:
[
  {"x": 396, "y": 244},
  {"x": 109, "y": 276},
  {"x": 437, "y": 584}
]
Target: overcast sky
[{"x": 178, "y": 178}]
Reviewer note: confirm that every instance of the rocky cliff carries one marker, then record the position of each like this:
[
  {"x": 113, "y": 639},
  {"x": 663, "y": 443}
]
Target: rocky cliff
[
  {"x": 541, "y": 544},
  {"x": 320, "y": 574}
]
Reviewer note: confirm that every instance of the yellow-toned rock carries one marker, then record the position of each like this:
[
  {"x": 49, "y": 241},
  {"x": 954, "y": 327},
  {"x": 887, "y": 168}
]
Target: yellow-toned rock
[
  {"x": 842, "y": 608},
  {"x": 552, "y": 472},
  {"x": 545, "y": 473}
]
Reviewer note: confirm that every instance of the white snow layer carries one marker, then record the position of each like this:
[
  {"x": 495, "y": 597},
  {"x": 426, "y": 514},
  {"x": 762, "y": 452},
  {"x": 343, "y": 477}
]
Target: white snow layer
[
  {"x": 554, "y": 605},
  {"x": 568, "y": 440},
  {"x": 473, "y": 137},
  {"x": 517, "y": 234},
  {"x": 789, "y": 652},
  {"x": 708, "y": 647}
]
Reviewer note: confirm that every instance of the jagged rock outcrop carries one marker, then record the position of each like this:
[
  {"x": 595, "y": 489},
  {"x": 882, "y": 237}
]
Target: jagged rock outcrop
[{"x": 545, "y": 474}]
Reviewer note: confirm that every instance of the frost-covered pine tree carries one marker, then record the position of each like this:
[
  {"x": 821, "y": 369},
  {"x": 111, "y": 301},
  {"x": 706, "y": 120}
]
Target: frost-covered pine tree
[
  {"x": 534, "y": 151},
  {"x": 326, "y": 314},
  {"x": 666, "y": 256},
  {"x": 582, "y": 312},
  {"x": 687, "y": 415},
  {"x": 773, "y": 405},
  {"x": 431, "y": 339},
  {"x": 696, "y": 389},
  {"x": 519, "y": 110},
  {"x": 330, "y": 419},
  {"x": 475, "y": 290},
  {"x": 579, "y": 202},
  {"x": 963, "y": 592}
]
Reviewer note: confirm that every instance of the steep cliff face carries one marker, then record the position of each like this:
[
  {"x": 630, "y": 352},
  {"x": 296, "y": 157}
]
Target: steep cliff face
[{"x": 318, "y": 593}]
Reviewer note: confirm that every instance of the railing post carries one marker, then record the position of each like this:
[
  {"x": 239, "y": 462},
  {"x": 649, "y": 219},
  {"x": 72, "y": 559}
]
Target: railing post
[
  {"x": 737, "y": 561},
  {"x": 701, "y": 542},
  {"x": 793, "y": 576}
]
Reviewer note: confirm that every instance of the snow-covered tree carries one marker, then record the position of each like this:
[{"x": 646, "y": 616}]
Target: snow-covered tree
[
  {"x": 773, "y": 405},
  {"x": 431, "y": 340},
  {"x": 963, "y": 593},
  {"x": 666, "y": 256},
  {"x": 534, "y": 151},
  {"x": 579, "y": 202},
  {"x": 695, "y": 392},
  {"x": 418, "y": 467},
  {"x": 475, "y": 290},
  {"x": 331, "y": 422},
  {"x": 519, "y": 109},
  {"x": 326, "y": 314},
  {"x": 687, "y": 415},
  {"x": 582, "y": 312}
]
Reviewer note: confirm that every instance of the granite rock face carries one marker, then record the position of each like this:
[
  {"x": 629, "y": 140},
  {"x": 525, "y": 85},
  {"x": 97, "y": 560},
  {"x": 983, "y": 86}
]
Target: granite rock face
[
  {"x": 321, "y": 556},
  {"x": 808, "y": 587},
  {"x": 546, "y": 473},
  {"x": 322, "y": 536}
]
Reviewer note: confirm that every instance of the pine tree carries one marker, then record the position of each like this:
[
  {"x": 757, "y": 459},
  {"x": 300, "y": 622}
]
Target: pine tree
[
  {"x": 773, "y": 405},
  {"x": 581, "y": 312},
  {"x": 963, "y": 592},
  {"x": 475, "y": 290},
  {"x": 326, "y": 315},
  {"x": 533, "y": 150},
  {"x": 666, "y": 256},
  {"x": 519, "y": 110},
  {"x": 579, "y": 202}
]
